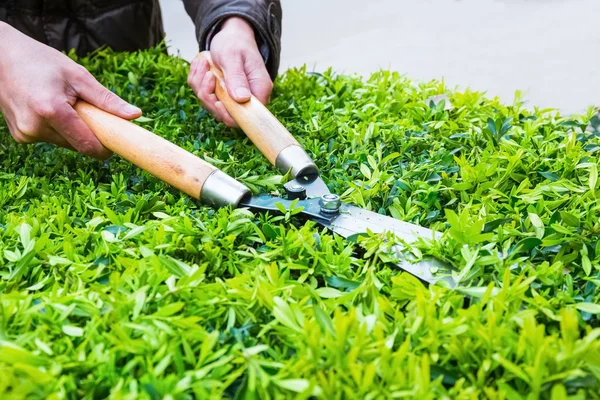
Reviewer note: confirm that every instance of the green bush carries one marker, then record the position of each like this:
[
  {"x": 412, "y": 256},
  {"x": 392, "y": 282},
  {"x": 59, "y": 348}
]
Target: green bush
[{"x": 115, "y": 285}]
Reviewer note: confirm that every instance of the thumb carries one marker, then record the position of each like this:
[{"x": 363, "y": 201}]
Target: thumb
[
  {"x": 90, "y": 90},
  {"x": 235, "y": 79}
]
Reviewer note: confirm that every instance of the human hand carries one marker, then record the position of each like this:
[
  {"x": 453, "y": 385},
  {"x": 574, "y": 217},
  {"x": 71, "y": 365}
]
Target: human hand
[
  {"x": 38, "y": 88},
  {"x": 234, "y": 50}
]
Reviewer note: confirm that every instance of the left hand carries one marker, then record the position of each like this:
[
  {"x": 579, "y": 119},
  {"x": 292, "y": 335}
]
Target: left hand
[{"x": 234, "y": 50}]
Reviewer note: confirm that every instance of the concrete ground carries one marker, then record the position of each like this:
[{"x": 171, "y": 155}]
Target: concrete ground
[{"x": 549, "y": 49}]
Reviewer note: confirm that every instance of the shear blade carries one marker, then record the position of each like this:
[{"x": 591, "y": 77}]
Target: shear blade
[{"x": 354, "y": 220}]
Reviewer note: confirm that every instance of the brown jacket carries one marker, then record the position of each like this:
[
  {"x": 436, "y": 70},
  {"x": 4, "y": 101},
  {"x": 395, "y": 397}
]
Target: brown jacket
[{"x": 128, "y": 25}]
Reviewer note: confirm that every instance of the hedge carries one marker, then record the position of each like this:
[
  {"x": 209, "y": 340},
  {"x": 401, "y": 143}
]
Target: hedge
[{"x": 113, "y": 284}]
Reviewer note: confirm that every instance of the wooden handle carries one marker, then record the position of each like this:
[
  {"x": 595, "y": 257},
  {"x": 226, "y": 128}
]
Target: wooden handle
[
  {"x": 148, "y": 151},
  {"x": 263, "y": 129}
]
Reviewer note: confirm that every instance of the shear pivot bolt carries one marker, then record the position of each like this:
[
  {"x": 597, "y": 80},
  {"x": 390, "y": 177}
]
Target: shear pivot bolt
[
  {"x": 330, "y": 203},
  {"x": 295, "y": 191}
]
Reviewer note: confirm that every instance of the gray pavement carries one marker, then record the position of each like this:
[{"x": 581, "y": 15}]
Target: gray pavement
[{"x": 549, "y": 49}]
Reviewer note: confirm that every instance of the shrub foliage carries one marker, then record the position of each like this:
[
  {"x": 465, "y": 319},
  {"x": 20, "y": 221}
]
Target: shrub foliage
[{"x": 114, "y": 284}]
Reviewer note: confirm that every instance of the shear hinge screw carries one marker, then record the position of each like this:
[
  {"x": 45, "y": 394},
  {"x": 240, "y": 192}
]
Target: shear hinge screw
[
  {"x": 295, "y": 191},
  {"x": 330, "y": 203}
]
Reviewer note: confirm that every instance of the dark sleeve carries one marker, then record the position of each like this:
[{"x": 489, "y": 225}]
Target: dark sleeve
[{"x": 263, "y": 15}]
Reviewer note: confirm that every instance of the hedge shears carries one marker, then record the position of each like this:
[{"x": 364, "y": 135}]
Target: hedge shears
[{"x": 307, "y": 191}]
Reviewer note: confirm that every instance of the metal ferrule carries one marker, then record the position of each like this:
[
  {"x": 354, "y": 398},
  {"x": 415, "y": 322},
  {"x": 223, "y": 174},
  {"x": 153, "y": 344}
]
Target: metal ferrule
[
  {"x": 295, "y": 157},
  {"x": 220, "y": 190}
]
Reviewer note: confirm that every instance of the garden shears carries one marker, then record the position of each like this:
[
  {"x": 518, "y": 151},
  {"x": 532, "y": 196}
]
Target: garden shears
[{"x": 307, "y": 190}]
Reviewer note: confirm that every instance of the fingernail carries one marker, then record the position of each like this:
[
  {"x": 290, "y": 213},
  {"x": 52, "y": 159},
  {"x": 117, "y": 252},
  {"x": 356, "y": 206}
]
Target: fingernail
[
  {"x": 131, "y": 109},
  {"x": 242, "y": 93}
]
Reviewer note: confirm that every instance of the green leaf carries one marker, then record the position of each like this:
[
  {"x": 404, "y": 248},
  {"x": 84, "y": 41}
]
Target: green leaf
[
  {"x": 569, "y": 219},
  {"x": 329, "y": 293},
  {"x": 593, "y": 180},
  {"x": 72, "y": 330},
  {"x": 527, "y": 244},
  {"x": 364, "y": 169},
  {"x": 270, "y": 231},
  {"x": 549, "y": 175},
  {"x": 140, "y": 301},
  {"x": 294, "y": 385},
  {"x": 132, "y": 78},
  {"x": 491, "y": 126},
  {"x": 160, "y": 215},
  {"x": 143, "y": 119},
  {"x": 134, "y": 232},
  {"x": 54, "y": 260},
  {"x": 591, "y": 308},
  {"x": 342, "y": 283},
  {"x": 355, "y": 237},
  {"x": 11, "y": 354},
  {"x": 25, "y": 235},
  {"x": 283, "y": 313},
  {"x": 324, "y": 320},
  {"x": 537, "y": 223},
  {"x": 176, "y": 267},
  {"x": 169, "y": 309},
  {"x": 22, "y": 266},
  {"x": 586, "y": 264},
  {"x": 492, "y": 225},
  {"x": 281, "y": 208}
]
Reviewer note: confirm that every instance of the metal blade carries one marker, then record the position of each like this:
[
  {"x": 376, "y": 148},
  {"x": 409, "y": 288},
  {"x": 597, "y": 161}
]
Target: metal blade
[
  {"x": 428, "y": 269},
  {"x": 354, "y": 220},
  {"x": 351, "y": 220}
]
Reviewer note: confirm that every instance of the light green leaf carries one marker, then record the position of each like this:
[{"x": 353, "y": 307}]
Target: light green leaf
[
  {"x": 160, "y": 215},
  {"x": 72, "y": 330},
  {"x": 593, "y": 177},
  {"x": 295, "y": 385},
  {"x": 25, "y": 235},
  {"x": 329, "y": 293},
  {"x": 55, "y": 260},
  {"x": 364, "y": 169},
  {"x": 591, "y": 308},
  {"x": 134, "y": 232},
  {"x": 538, "y": 225}
]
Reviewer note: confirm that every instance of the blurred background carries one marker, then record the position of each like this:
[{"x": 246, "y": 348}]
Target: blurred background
[{"x": 548, "y": 49}]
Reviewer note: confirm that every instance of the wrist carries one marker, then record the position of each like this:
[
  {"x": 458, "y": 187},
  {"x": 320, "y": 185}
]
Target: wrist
[
  {"x": 4, "y": 27},
  {"x": 237, "y": 24}
]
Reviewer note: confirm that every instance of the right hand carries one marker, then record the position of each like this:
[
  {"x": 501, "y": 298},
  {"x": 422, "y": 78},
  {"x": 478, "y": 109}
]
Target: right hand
[
  {"x": 39, "y": 87},
  {"x": 235, "y": 52}
]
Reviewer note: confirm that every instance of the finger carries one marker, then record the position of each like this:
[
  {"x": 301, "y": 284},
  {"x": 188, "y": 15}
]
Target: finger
[
  {"x": 259, "y": 79},
  {"x": 43, "y": 133},
  {"x": 68, "y": 124},
  {"x": 17, "y": 134},
  {"x": 90, "y": 90},
  {"x": 51, "y": 136},
  {"x": 226, "y": 117},
  {"x": 207, "y": 95},
  {"x": 203, "y": 85},
  {"x": 198, "y": 70},
  {"x": 235, "y": 78}
]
